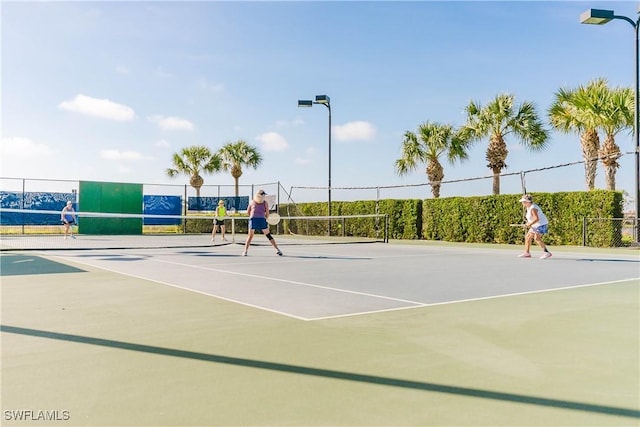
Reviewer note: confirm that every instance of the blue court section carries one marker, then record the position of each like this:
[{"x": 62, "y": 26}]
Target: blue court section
[
  {"x": 16, "y": 264},
  {"x": 321, "y": 281}
]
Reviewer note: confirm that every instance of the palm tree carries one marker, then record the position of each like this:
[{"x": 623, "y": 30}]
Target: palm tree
[
  {"x": 580, "y": 110},
  {"x": 192, "y": 161},
  {"x": 432, "y": 141},
  {"x": 235, "y": 155},
  {"x": 617, "y": 116},
  {"x": 498, "y": 119}
]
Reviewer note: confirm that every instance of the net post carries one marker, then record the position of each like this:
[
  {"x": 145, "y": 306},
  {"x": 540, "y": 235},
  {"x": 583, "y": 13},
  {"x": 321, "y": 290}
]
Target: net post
[
  {"x": 233, "y": 230},
  {"x": 386, "y": 228},
  {"x": 185, "y": 203}
]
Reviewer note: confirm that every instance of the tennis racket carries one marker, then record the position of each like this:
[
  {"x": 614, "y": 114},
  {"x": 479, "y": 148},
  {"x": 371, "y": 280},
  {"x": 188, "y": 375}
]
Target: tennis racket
[
  {"x": 273, "y": 218},
  {"x": 518, "y": 225}
]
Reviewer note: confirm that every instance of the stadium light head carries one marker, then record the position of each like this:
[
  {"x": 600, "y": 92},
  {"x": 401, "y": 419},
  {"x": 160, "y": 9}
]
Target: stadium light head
[
  {"x": 322, "y": 99},
  {"x": 596, "y": 16}
]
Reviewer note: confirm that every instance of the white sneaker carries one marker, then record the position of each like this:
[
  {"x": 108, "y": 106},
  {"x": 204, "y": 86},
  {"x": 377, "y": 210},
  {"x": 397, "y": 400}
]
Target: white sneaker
[
  {"x": 524, "y": 255},
  {"x": 546, "y": 255},
  {"x": 244, "y": 253}
]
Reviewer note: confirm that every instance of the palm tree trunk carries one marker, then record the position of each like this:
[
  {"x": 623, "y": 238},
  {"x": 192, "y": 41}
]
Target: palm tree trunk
[
  {"x": 435, "y": 173},
  {"x": 590, "y": 143},
  {"x": 497, "y": 153},
  {"x": 496, "y": 181},
  {"x": 236, "y": 173},
  {"x": 196, "y": 182},
  {"x": 609, "y": 155}
]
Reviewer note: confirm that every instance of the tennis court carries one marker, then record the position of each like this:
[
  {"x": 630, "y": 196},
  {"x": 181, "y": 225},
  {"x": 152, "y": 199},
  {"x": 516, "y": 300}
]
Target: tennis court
[{"x": 328, "y": 334}]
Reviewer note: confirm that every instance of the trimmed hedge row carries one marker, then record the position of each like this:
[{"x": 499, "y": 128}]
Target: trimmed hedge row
[
  {"x": 484, "y": 219},
  {"x": 405, "y": 216}
]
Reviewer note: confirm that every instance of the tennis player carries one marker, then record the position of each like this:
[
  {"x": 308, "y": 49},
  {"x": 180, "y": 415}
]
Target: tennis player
[
  {"x": 68, "y": 218},
  {"x": 537, "y": 223},
  {"x": 258, "y": 212},
  {"x": 219, "y": 220}
]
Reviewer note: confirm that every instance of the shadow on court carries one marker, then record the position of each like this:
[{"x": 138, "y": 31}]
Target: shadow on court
[
  {"x": 634, "y": 261},
  {"x": 302, "y": 370},
  {"x": 18, "y": 265}
]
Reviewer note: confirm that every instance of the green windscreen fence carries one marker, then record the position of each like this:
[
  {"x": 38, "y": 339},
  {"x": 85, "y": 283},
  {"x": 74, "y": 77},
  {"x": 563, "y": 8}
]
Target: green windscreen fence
[{"x": 110, "y": 197}]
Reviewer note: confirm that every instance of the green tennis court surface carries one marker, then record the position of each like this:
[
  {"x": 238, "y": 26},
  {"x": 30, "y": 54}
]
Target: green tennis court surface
[{"x": 362, "y": 334}]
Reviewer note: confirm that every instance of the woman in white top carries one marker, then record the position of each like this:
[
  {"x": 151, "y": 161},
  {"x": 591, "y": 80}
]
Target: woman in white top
[
  {"x": 537, "y": 223},
  {"x": 68, "y": 218}
]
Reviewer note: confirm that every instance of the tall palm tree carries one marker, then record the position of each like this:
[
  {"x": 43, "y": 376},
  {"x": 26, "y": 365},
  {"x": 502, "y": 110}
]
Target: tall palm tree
[
  {"x": 432, "y": 141},
  {"x": 498, "y": 119},
  {"x": 580, "y": 111},
  {"x": 617, "y": 116},
  {"x": 193, "y": 161},
  {"x": 237, "y": 154}
]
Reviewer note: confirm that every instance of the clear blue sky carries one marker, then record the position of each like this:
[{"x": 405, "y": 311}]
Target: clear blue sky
[{"x": 110, "y": 90}]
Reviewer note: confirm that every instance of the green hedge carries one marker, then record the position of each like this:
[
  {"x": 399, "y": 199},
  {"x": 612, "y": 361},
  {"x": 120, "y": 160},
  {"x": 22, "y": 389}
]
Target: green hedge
[
  {"x": 487, "y": 219},
  {"x": 405, "y": 216},
  {"x": 484, "y": 219}
]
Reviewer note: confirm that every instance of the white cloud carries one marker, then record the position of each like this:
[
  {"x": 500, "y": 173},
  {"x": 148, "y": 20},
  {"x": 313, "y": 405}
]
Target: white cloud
[
  {"x": 355, "y": 131},
  {"x": 23, "y": 148},
  {"x": 172, "y": 123},
  {"x": 102, "y": 108},
  {"x": 163, "y": 143},
  {"x": 120, "y": 155},
  {"x": 272, "y": 141},
  {"x": 302, "y": 161},
  {"x": 210, "y": 87}
]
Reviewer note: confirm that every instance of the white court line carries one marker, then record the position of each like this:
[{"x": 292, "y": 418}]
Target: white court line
[
  {"x": 255, "y": 276},
  {"x": 414, "y": 304},
  {"x": 477, "y": 299},
  {"x": 181, "y": 287}
]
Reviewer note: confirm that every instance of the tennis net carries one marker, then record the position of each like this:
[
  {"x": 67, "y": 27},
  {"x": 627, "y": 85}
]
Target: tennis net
[{"x": 22, "y": 229}]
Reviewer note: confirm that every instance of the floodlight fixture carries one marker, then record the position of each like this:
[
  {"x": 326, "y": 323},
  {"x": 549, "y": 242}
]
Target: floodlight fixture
[{"x": 596, "y": 16}]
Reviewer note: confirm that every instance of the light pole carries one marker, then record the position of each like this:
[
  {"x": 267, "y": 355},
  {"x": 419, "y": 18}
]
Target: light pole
[
  {"x": 600, "y": 17},
  {"x": 324, "y": 100}
]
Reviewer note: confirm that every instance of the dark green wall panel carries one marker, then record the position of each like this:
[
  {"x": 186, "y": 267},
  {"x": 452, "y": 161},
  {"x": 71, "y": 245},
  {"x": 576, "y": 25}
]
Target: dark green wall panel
[{"x": 110, "y": 197}]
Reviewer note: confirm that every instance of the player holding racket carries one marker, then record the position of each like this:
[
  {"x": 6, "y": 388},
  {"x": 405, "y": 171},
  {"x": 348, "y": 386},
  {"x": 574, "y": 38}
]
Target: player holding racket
[
  {"x": 68, "y": 218},
  {"x": 258, "y": 212},
  {"x": 537, "y": 223}
]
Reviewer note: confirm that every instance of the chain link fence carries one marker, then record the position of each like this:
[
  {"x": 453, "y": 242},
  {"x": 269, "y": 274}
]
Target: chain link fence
[{"x": 610, "y": 232}]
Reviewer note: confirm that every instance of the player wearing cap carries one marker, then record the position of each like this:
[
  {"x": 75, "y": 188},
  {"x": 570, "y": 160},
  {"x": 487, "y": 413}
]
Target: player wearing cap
[
  {"x": 218, "y": 221},
  {"x": 68, "y": 218},
  {"x": 537, "y": 223},
  {"x": 258, "y": 212}
]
